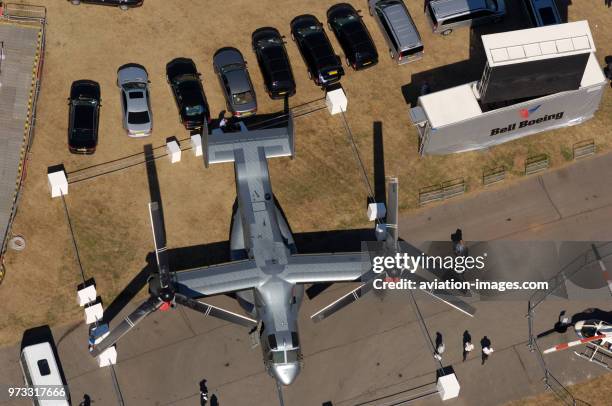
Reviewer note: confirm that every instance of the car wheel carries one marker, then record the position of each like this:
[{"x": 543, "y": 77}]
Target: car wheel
[
  {"x": 309, "y": 75},
  {"x": 370, "y": 11},
  {"x": 391, "y": 54},
  {"x": 75, "y": 2},
  {"x": 124, "y": 7},
  {"x": 329, "y": 26},
  {"x": 292, "y": 36},
  {"x": 447, "y": 32}
]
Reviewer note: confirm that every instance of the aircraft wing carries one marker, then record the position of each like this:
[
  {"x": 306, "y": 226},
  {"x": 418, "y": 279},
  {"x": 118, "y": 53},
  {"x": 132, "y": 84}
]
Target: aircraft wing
[
  {"x": 218, "y": 279},
  {"x": 320, "y": 268}
]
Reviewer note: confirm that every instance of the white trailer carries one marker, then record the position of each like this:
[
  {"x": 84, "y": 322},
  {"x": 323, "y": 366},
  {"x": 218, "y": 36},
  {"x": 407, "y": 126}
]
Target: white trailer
[{"x": 535, "y": 80}]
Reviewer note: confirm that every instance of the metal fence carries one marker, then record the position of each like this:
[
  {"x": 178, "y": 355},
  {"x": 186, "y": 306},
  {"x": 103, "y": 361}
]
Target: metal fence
[
  {"x": 583, "y": 148},
  {"x": 536, "y": 163},
  {"x": 442, "y": 191},
  {"x": 494, "y": 175},
  {"x": 15, "y": 11},
  {"x": 579, "y": 263}
]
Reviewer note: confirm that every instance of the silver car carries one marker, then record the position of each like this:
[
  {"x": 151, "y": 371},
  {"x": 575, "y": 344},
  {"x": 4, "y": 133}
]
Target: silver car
[
  {"x": 133, "y": 81},
  {"x": 234, "y": 77}
]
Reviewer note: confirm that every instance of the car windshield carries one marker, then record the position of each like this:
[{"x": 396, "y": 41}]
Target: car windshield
[
  {"x": 140, "y": 117},
  {"x": 548, "y": 16},
  {"x": 312, "y": 29},
  {"x": 242, "y": 98},
  {"x": 194, "y": 110},
  {"x": 136, "y": 95},
  {"x": 346, "y": 19},
  {"x": 232, "y": 66},
  {"x": 134, "y": 85},
  {"x": 84, "y": 117},
  {"x": 267, "y": 41}
]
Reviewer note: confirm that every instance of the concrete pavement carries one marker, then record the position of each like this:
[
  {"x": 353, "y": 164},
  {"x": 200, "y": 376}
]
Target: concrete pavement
[{"x": 373, "y": 349}]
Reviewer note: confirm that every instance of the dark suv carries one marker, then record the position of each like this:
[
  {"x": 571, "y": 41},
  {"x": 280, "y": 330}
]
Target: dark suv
[
  {"x": 122, "y": 4},
  {"x": 84, "y": 112},
  {"x": 324, "y": 66},
  {"x": 188, "y": 92},
  {"x": 274, "y": 64},
  {"x": 353, "y": 36}
]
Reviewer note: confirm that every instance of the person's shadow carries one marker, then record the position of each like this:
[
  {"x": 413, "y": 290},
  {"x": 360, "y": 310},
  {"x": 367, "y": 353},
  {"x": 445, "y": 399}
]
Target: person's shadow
[
  {"x": 214, "y": 401},
  {"x": 86, "y": 401}
]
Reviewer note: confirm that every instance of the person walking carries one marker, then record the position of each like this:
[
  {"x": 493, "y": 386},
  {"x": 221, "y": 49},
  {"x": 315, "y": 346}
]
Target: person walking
[
  {"x": 439, "y": 347},
  {"x": 487, "y": 350},
  {"x": 203, "y": 393},
  {"x": 459, "y": 248},
  {"x": 467, "y": 344}
]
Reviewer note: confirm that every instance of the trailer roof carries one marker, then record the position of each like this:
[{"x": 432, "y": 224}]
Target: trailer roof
[
  {"x": 450, "y": 106},
  {"x": 550, "y": 41}
]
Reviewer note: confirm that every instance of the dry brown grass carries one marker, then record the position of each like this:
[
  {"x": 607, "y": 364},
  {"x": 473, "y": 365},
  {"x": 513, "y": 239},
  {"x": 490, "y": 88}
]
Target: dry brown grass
[
  {"x": 319, "y": 190},
  {"x": 594, "y": 391}
]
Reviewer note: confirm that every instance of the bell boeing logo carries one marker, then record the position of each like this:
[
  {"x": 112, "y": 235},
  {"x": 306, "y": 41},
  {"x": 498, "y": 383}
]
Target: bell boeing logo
[{"x": 526, "y": 114}]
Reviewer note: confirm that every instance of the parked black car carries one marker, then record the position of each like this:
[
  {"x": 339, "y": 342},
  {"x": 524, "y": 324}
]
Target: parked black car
[
  {"x": 269, "y": 47},
  {"x": 346, "y": 23},
  {"x": 84, "y": 112},
  {"x": 324, "y": 66},
  {"x": 122, "y": 4},
  {"x": 184, "y": 79}
]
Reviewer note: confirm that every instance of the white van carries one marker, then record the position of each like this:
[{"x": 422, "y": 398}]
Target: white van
[{"x": 41, "y": 373}]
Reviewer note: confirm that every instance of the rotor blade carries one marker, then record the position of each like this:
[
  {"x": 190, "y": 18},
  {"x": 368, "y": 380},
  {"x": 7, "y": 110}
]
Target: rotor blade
[
  {"x": 159, "y": 239},
  {"x": 148, "y": 306},
  {"x": 210, "y": 310},
  {"x": 392, "y": 212},
  {"x": 316, "y": 289},
  {"x": 567, "y": 345},
  {"x": 446, "y": 297},
  {"x": 343, "y": 301}
]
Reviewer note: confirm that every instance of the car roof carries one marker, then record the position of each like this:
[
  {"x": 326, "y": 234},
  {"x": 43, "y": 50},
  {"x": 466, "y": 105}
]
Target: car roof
[
  {"x": 136, "y": 105},
  {"x": 406, "y": 34},
  {"x": 444, "y": 8}
]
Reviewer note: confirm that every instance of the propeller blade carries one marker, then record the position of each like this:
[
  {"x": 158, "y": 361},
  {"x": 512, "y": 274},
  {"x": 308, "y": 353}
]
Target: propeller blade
[
  {"x": 148, "y": 306},
  {"x": 564, "y": 346},
  {"x": 159, "y": 239},
  {"x": 446, "y": 297},
  {"x": 343, "y": 301},
  {"x": 210, "y": 310}
]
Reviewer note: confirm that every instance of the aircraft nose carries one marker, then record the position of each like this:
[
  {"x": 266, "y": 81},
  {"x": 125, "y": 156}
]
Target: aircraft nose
[{"x": 286, "y": 373}]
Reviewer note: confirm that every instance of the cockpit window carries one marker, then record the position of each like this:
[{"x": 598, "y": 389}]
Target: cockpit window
[
  {"x": 278, "y": 357},
  {"x": 293, "y": 356},
  {"x": 294, "y": 339},
  {"x": 272, "y": 341}
]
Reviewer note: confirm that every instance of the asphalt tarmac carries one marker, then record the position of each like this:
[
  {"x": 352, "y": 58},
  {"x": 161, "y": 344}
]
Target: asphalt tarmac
[{"x": 373, "y": 352}]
